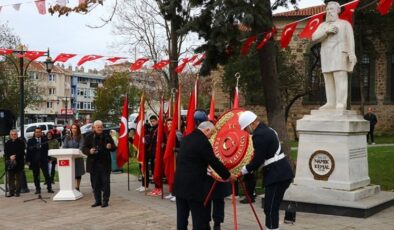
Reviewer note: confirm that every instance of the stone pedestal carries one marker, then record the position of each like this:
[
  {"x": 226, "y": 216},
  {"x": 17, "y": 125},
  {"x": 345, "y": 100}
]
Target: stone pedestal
[{"x": 332, "y": 165}]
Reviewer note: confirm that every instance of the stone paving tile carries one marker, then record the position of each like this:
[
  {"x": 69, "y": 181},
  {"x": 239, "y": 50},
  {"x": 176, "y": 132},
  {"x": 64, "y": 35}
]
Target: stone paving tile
[{"x": 134, "y": 210}]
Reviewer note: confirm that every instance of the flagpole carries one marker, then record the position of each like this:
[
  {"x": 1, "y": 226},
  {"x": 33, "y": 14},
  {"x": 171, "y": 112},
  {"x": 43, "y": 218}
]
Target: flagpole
[{"x": 128, "y": 149}]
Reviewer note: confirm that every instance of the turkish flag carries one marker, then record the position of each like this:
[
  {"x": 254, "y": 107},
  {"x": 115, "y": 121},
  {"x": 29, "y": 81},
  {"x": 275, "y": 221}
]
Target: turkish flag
[
  {"x": 247, "y": 45},
  {"x": 33, "y": 55},
  {"x": 123, "y": 144},
  {"x": 5, "y": 51},
  {"x": 211, "y": 115},
  {"x": 41, "y": 6},
  {"x": 63, "y": 57},
  {"x": 348, "y": 12},
  {"x": 138, "y": 64},
  {"x": 169, "y": 153},
  {"x": 200, "y": 60},
  {"x": 287, "y": 33},
  {"x": 88, "y": 58},
  {"x": 158, "y": 170},
  {"x": 180, "y": 67},
  {"x": 161, "y": 64},
  {"x": 236, "y": 100},
  {"x": 384, "y": 6},
  {"x": 190, "y": 125},
  {"x": 192, "y": 59},
  {"x": 139, "y": 136},
  {"x": 114, "y": 59},
  {"x": 311, "y": 26},
  {"x": 266, "y": 38}
]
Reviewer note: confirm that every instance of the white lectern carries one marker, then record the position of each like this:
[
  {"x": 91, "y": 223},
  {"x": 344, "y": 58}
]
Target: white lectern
[{"x": 66, "y": 170}]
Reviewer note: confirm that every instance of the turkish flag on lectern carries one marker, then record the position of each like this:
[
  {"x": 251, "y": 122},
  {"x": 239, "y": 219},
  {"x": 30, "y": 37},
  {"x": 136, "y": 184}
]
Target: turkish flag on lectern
[{"x": 123, "y": 145}]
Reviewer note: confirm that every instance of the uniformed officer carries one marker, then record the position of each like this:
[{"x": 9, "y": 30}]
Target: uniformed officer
[{"x": 277, "y": 173}]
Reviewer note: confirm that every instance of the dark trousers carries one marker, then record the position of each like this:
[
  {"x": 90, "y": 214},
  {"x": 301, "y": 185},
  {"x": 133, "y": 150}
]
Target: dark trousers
[
  {"x": 200, "y": 214},
  {"x": 101, "y": 183},
  {"x": 370, "y": 134},
  {"x": 36, "y": 176},
  {"x": 14, "y": 181},
  {"x": 273, "y": 197},
  {"x": 216, "y": 208},
  {"x": 250, "y": 184}
]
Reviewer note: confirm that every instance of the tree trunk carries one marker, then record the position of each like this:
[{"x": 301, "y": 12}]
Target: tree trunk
[
  {"x": 273, "y": 101},
  {"x": 173, "y": 53}
]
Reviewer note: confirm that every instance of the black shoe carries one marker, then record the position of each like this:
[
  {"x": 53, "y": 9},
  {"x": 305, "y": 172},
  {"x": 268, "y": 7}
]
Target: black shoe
[
  {"x": 10, "y": 195},
  {"x": 17, "y": 195},
  {"x": 104, "y": 205},
  {"x": 77, "y": 189},
  {"x": 96, "y": 204},
  {"x": 37, "y": 192},
  {"x": 25, "y": 190},
  {"x": 50, "y": 191},
  {"x": 246, "y": 201},
  {"x": 216, "y": 226}
]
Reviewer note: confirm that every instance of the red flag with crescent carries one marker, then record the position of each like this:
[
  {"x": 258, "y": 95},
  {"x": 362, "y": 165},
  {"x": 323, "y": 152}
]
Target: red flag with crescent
[
  {"x": 161, "y": 64},
  {"x": 169, "y": 153},
  {"x": 138, "y": 64},
  {"x": 40, "y": 4},
  {"x": 158, "y": 170},
  {"x": 139, "y": 136},
  {"x": 266, "y": 38},
  {"x": 247, "y": 45},
  {"x": 347, "y": 14},
  {"x": 5, "y": 51},
  {"x": 311, "y": 26},
  {"x": 88, "y": 58},
  {"x": 33, "y": 55},
  {"x": 384, "y": 6},
  {"x": 123, "y": 145},
  {"x": 63, "y": 57},
  {"x": 190, "y": 111},
  {"x": 287, "y": 33},
  {"x": 114, "y": 59}
]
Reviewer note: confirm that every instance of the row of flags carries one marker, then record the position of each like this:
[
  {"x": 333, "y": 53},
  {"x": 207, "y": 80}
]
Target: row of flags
[
  {"x": 165, "y": 160},
  {"x": 194, "y": 60},
  {"x": 383, "y": 7},
  {"x": 40, "y": 4}
]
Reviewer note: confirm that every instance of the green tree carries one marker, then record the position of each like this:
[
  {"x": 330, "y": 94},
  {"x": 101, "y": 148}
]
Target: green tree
[
  {"x": 109, "y": 98},
  {"x": 217, "y": 22}
]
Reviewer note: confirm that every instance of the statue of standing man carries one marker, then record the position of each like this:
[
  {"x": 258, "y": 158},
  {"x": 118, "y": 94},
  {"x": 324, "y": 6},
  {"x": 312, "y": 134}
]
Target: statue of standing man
[{"x": 337, "y": 56}]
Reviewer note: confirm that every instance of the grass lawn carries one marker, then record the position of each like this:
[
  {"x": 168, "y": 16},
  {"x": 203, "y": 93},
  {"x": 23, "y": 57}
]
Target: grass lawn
[{"x": 380, "y": 160}]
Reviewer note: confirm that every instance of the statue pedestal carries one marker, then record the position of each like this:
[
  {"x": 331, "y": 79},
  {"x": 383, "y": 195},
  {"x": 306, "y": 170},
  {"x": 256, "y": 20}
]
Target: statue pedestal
[
  {"x": 332, "y": 166},
  {"x": 66, "y": 170}
]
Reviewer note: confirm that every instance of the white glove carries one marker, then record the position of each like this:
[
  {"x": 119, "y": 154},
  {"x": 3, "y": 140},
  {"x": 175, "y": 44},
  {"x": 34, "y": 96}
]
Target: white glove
[
  {"x": 209, "y": 172},
  {"x": 244, "y": 170}
]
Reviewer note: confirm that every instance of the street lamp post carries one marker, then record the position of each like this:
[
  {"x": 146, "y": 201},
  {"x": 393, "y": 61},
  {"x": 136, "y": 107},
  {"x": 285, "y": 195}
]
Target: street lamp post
[
  {"x": 65, "y": 97},
  {"x": 22, "y": 74}
]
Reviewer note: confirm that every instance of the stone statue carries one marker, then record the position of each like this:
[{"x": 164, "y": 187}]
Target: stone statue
[{"x": 337, "y": 56}]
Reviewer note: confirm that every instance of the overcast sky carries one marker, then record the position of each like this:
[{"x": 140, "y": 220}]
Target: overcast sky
[{"x": 70, "y": 34}]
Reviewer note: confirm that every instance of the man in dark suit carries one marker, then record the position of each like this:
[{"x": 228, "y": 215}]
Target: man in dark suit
[
  {"x": 191, "y": 177},
  {"x": 98, "y": 147},
  {"x": 14, "y": 150},
  {"x": 277, "y": 173},
  {"x": 373, "y": 120},
  {"x": 37, "y": 158}
]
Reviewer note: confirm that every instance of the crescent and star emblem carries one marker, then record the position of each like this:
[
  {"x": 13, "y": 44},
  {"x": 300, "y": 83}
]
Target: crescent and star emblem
[
  {"x": 123, "y": 120},
  {"x": 314, "y": 23},
  {"x": 288, "y": 30}
]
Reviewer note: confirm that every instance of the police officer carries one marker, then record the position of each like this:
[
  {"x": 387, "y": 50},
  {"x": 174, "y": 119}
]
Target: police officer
[{"x": 277, "y": 173}]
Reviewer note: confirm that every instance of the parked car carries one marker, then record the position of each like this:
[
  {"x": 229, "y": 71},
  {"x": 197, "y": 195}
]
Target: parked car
[{"x": 29, "y": 128}]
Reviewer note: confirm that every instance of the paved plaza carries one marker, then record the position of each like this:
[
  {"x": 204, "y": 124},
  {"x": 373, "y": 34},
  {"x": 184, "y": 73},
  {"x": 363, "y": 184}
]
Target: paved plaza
[{"x": 134, "y": 210}]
